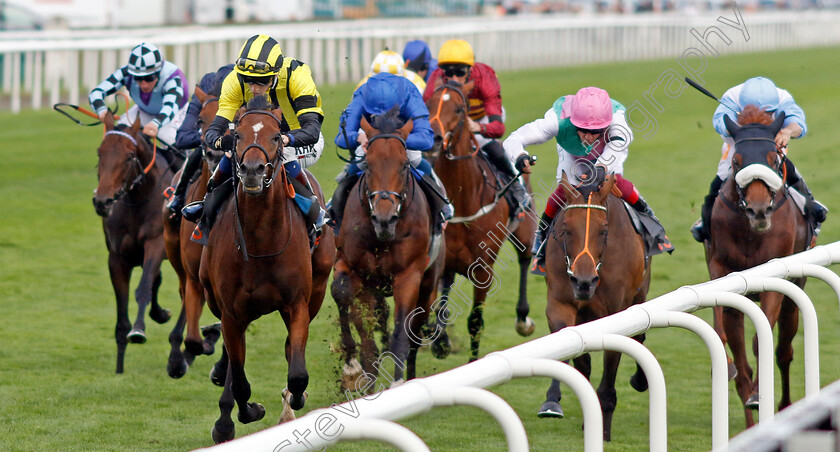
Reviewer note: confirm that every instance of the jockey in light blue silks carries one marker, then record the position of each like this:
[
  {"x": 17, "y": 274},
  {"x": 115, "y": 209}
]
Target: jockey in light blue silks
[{"x": 377, "y": 96}]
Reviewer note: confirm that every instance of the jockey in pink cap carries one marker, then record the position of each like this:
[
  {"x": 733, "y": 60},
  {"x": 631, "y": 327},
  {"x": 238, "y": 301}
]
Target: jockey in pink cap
[{"x": 592, "y": 137}]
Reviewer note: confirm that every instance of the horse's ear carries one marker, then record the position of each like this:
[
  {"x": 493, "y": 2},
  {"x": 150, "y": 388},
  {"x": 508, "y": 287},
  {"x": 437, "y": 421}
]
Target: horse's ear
[
  {"x": 406, "y": 129},
  {"x": 136, "y": 126},
  {"x": 778, "y": 123},
  {"x": 278, "y": 113},
  {"x": 109, "y": 121},
  {"x": 200, "y": 94},
  {"x": 367, "y": 127},
  {"x": 607, "y": 185},
  {"x": 467, "y": 88},
  {"x": 438, "y": 82},
  {"x": 731, "y": 127},
  {"x": 241, "y": 112}
]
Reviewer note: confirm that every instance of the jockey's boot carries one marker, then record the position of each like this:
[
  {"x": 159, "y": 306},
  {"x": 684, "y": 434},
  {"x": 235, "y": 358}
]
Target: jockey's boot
[
  {"x": 539, "y": 246},
  {"x": 313, "y": 213},
  {"x": 442, "y": 210},
  {"x": 335, "y": 208},
  {"x": 663, "y": 244},
  {"x": 700, "y": 229},
  {"x": 516, "y": 195},
  {"x": 217, "y": 192},
  {"x": 815, "y": 211},
  {"x": 177, "y": 200}
]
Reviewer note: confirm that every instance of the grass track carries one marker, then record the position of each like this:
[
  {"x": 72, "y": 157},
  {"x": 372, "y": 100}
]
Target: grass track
[{"x": 57, "y": 386}]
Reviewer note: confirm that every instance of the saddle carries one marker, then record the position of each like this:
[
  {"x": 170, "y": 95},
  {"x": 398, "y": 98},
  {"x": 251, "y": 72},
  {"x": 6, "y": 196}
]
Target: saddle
[{"x": 652, "y": 232}]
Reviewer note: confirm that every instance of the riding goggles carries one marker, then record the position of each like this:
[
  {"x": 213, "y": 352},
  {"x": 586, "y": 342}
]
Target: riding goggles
[
  {"x": 254, "y": 66},
  {"x": 262, "y": 81},
  {"x": 458, "y": 70},
  {"x": 146, "y": 78},
  {"x": 592, "y": 131}
]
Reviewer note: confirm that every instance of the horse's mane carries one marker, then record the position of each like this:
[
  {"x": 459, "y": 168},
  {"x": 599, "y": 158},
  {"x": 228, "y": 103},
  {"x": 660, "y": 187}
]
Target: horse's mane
[
  {"x": 389, "y": 122},
  {"x": 754, "y": 115},
  {"x": 258, "y": 103}
]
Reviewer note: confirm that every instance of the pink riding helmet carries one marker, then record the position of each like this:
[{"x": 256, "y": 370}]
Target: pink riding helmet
[{"x": 591, "y": 109}]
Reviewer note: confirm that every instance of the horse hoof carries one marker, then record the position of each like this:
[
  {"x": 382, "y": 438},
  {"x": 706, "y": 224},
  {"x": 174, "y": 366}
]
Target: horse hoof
[
  {"x": 216, "y": 377},
  {"x": 752, "y": 402},
  {"x": 639, "y": 382},
  {"x": 178, "y": 369},
  {"x": 253, "y": 413},
  {"x": 525, "y": 328},
  {"x": 732, "y": 370},
  {"x": 397, "y": 383},
  {"x": 219, "y": 437},
  {"x": 441, "y": 347},
  {"x": 550, "y": 409},
  {"x": 161, "y": 316},
  {"x": 136, "y": 337},
  {"x": 350, "y": 375}
]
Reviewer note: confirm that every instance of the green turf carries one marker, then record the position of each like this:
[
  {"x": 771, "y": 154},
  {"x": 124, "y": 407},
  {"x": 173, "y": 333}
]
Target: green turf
[{"x": 57, "y": 383}]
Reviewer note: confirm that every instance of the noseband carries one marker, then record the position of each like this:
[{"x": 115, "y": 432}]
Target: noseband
[
  {"x": 134, "y": 163},
  {"x": 387, "y": 194},
  {"x": 780, "y": 170},
  {"x": 448, "y": 137},
  {"x": 585, "y": 251},
  {"x": 270, "y": 163}
]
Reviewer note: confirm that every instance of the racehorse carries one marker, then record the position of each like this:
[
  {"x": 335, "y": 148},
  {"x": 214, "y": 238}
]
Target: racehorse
[
  {"x": 751, "y": 223},
  {"x": 383, "y": 250},
  {"x": 595, "y": 267},
  {"x": 475, "y": 236},
  {"x": 128, "y": 198},
  {"x": 257, "y": 262},
  {"x": 185, "y": 257}
]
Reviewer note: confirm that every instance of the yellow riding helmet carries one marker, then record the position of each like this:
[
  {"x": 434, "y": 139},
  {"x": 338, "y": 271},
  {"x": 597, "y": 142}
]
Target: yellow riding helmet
[
  {"x": 456, "y": 51},
  {"x": 260, "y": 56}
]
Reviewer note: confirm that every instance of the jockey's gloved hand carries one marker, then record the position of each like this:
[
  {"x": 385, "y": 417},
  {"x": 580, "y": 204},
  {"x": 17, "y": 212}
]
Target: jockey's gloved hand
[
  {"x": 600, "y": 174},
  {"x": 523, "y": 162},
  {"x": 225, "y": 143}
]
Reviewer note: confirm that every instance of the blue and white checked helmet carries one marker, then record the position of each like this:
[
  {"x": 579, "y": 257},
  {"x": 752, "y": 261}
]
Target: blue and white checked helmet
[
  {"x": 145, "y": 59},
  {"x": 761, "y": 92}
]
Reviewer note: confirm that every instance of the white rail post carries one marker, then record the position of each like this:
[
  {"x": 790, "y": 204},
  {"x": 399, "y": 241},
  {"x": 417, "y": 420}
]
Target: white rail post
[
  {"x": 809, "y": 323},
  {"x": 717, "y": 352},
  {"x": 593, "y": 419},
  {"x": 796, "y": 270},
  {"x": 386, "y": 432},
  {"x": 709, "y": 298}
]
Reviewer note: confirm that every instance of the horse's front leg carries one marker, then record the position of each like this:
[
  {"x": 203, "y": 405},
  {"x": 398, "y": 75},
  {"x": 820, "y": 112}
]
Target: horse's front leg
[
  {"x": 297, "y": 323},
  {"x": 344, "y": 289},
  {"x": 233, "y": 331},
  {"x": 606, "y": 390},
  {"x": 559, "y": 315},
  {"x": 178, "y": 362},
  {"x": 406, "y": 292},
  {"x": 194, "y": 305},
  {"x": 120, "y": 273},
  {"x": 521, "y": 240},
  {"x": 788, "y": 326},
  {"x": 733, "y": 324},
  {"x": 443, "y": 317},
  {"x": 145, "y": 292}
]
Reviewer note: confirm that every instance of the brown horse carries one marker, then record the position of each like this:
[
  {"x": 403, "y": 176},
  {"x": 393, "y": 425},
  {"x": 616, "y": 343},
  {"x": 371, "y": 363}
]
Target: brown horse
[
  {"x": 185, "y": 257},
  {"x": 753, "y": 222},
  {"x": 383, "y": 250},
  {"x": 129, "y": 198},
  {"x": 595, "y": 266},
  {"x": 475, "y": 236},
  {"x": 257, "y": 262}
]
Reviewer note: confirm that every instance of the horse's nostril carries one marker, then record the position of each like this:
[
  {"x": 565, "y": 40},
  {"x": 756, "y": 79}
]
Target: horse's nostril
[{"x": 393, "y": 219}]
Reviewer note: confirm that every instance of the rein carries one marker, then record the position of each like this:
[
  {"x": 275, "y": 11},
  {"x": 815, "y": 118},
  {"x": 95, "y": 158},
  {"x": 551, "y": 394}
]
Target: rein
[
  {"x": 387, "y": 194},
  {"x": 448, "y": 138}
]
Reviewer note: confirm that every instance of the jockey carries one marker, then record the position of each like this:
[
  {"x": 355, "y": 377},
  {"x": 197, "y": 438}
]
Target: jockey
[
  {"x": 380, "y": 94},
  {"x": 388, "y": 61},
  {"x": 158, "y": 89},
  {"x": 763, "y": 93},
  {"x": 418, "y": 58},
  {"x": 591, "y": 132},
  {"x": 189, "y": 136},
  {"x": 261, "y": 70},
  {"x": 456, "y": 63}
]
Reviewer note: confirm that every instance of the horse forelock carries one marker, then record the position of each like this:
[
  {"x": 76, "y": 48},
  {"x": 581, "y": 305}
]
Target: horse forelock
[
  {"x": 754, "y": 115},
  {"x": 258, "y": 103},
  {"x": 388, "y": 122}
]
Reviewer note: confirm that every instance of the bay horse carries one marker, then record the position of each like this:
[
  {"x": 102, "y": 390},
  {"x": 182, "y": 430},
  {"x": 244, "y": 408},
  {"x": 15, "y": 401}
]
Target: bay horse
[
  {"x": 257, "y": 261},
  {"x": 475, "y": 236},
  {"x": 129, "y": 197},
  {"x": 751, "y": 223},
  {"x": 185, "y": 257},
  {"x": 383, "y": 250},
  {"x": 595, "y": 266}
]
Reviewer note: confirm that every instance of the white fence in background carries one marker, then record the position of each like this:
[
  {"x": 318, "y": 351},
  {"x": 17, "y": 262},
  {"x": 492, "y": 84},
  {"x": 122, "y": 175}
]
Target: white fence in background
[
  {"x": 48, "y": 67},
  {"x": 371, "y": 418}
]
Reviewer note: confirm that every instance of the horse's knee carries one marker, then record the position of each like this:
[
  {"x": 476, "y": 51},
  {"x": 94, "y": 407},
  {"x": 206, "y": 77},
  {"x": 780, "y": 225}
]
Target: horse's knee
[
  {"x": 341, "y": 288},
  {"x": 608, "y": 399}
]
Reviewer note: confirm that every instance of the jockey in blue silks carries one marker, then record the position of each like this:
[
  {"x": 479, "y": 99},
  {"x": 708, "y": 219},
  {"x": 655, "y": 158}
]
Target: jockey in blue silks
[{"x": 378, "y": 95}]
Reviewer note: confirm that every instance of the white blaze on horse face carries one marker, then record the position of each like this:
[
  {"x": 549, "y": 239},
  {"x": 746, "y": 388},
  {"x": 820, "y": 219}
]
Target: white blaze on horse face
[
  {"x": 446, "y": 97},
  {"x": 257, "y": 127}
]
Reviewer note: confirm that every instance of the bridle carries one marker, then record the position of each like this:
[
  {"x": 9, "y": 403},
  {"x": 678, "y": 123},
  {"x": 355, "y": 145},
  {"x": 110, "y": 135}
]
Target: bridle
[
  {"x": 585, "y": 252},
  {"x": 452, "y": 136},
  {"x": 780, "y": 169},
  {"x": 134, "y": 163},
  {"x": 271, "y": 163},
  {"x": 392, "y": 196}
]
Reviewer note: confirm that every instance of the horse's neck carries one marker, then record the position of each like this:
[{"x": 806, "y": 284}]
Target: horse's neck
[{"x": 463, "y": 178}]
